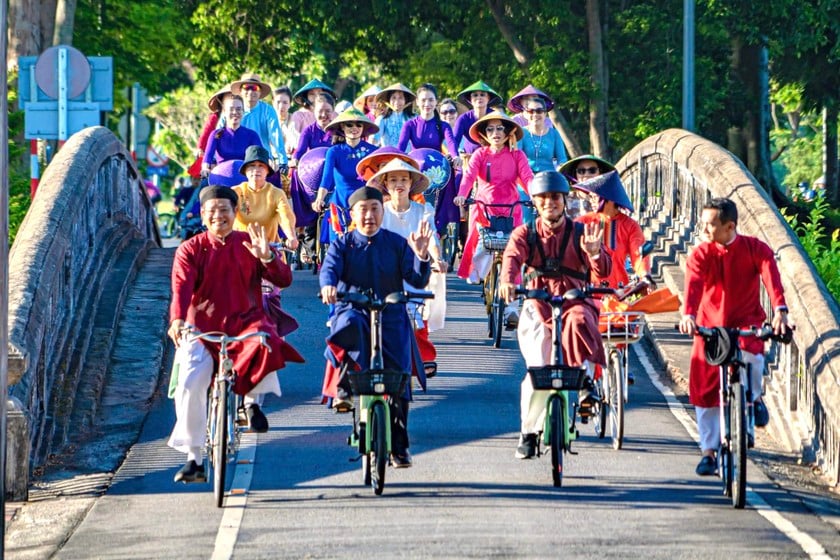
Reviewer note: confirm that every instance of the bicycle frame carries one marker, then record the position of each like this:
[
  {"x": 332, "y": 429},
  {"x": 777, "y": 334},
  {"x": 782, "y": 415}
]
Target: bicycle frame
[{"x": 222, "y": 397}]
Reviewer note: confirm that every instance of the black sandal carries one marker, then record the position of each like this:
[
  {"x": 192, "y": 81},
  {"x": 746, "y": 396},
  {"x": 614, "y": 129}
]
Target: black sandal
[{"x": 430, "y": 368}]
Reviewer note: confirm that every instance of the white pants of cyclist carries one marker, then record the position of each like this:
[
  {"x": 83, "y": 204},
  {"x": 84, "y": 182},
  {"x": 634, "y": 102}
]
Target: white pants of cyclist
[
  {"x": 535, "y": 340},
  {"x": 708, "y": 419},
  {"x": 481, "y": 262},
  {"x": 194, "y": 376}
]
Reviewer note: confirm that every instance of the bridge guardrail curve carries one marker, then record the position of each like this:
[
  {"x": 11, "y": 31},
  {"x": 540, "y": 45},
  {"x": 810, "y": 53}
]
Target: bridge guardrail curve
[{"x": 89, "y": 226}]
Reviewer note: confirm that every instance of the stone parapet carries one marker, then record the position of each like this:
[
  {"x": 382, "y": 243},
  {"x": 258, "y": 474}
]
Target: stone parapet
[{"x": 90, "y": 206}]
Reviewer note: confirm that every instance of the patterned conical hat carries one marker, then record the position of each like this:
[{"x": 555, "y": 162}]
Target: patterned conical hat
[{"x": 353, "y": 115}]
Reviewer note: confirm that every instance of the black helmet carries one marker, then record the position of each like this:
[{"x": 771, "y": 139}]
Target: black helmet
[{"x": 548, "y": 182}]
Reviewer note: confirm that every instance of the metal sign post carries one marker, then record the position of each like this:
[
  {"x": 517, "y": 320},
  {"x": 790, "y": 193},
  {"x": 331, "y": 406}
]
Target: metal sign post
[
  {"x": 62, "y": 95},
  {"x": 4, "y": 263}
]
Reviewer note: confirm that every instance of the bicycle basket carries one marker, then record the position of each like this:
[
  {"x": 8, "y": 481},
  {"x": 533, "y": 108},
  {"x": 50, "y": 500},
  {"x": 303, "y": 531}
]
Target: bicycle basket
[
  {"x": 622, "y": 327},
  {"x": 569, "y": 378},
  {"x": 494, "y": 240},
  {"x": 378, "y": 382}
]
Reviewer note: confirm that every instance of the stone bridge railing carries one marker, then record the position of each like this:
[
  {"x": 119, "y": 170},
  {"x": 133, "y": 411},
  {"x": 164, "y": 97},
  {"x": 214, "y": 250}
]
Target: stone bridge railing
[
  {"x": 89, "y": 226},
  {"x": 670, "y": 176}
]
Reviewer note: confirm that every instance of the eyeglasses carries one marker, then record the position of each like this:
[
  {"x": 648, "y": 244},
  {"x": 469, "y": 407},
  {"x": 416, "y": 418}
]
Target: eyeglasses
[
  {"x": 250, "y": 87},
  {"x": 535, "y": 111},
  {"x": 491, "y": 129},
  {"x": 448, "y": 112},
  {"x": 587, "y": 171}
]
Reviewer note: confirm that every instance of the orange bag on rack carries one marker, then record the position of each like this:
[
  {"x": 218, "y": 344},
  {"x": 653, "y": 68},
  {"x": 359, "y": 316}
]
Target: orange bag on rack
[{"x": 662, "y": 300}]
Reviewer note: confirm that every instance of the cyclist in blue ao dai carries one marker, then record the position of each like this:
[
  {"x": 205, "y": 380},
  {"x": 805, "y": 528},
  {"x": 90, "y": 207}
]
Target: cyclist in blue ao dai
[{"x": 372, "y": 259}]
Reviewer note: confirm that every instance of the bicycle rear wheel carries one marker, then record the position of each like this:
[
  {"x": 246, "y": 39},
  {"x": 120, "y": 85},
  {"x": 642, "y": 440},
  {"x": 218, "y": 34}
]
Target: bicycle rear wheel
[
  {"x": 498, "y": 308},
  {"x": 615, "y": 370},
  {"x": 220, "y": 441},
  {"x": 557, "y": 437},
  {"x": 738, "y": 439},
  {"x": 379, "y": 447}
]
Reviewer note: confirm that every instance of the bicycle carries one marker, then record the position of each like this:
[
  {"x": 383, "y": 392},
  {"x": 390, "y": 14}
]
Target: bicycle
[
  {"x": 224, "y": 422},
  {"x": 168, "y": 225},
  {"x": 494, "y": 237},
  {"x": 618, "y": 329},
  {"x": 371, "y": 433},
  {"x": 558, "y": 379},
  {"x": 736, "y": 415}
]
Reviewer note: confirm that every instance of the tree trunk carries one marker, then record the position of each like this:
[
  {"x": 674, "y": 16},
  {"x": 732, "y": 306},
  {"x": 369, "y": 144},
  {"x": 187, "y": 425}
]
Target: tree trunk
[
  {"x": 598, "y": 104},
  {"x": 830, "y": 163},
  {"x": 65, "y": 14},
  {"x": 523, "y": 58},
  {"x": 25, "y": 32},
  {"x": 750, "y": 137}
]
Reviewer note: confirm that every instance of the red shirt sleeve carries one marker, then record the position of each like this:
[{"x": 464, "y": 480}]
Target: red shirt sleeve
[{"x": 184, "y": 276}]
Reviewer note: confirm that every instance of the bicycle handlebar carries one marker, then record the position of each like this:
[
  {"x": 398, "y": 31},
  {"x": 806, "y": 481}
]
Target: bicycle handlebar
[
  {"x": 219, "y": 337},
  {"x": 575, "y": 293},
  {"x": 509, "y": 206},
  {"x": 366, "y": 301},
  {"x": 764, "y": 332},
  {"x": 280, "y": 246}
]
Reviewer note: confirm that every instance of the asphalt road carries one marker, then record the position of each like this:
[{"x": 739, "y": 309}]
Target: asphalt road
[{"x": 466, "y": 496}]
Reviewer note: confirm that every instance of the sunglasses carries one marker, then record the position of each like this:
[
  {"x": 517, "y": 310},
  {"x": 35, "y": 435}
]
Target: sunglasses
[
  {"x": 491, "y": 129},
  {"x": 587, "y": 171},
  {"x": 353, "y": 125},
  {"x": 250, "y": 87},
  {"x": 448, "y": 112},
  {"x": 535, "y": 111}
]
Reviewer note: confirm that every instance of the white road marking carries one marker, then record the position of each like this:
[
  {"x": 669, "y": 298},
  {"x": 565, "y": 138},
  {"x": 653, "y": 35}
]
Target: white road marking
[
  {"x": 237, "y": 498},
  {"x": 808, "y": 544}
]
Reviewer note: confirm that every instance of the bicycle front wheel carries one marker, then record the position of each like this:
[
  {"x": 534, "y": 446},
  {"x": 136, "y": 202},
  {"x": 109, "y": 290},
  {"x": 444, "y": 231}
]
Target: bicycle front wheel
[
  {"x": 616, "y": 398},
  {"x": 220, "y": 443},
  {"x": 601, "y": 409},
  {"x": 738, "y": 441},
  {"x": 379, "y": 447},
  {"x": 168, "y": 225},
  {"x": 489, "y": 298},
  {"x": 557, "y": 437},
  {"x": 498, "y": 308}
]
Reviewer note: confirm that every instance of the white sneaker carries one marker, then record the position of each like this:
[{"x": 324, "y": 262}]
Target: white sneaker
[{"x": 473, "y": 278}]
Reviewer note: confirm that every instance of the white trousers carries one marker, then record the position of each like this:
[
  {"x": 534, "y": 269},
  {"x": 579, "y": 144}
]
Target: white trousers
[
  {"x": 535, "y": 340},
  {"x": 195, "y": 372},
  {"x": 708, "y": 419}
]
